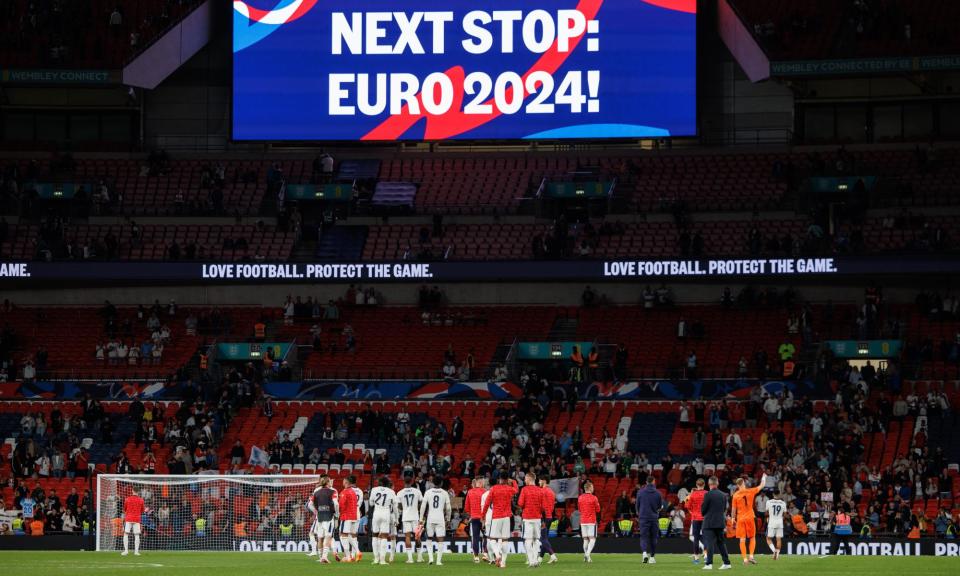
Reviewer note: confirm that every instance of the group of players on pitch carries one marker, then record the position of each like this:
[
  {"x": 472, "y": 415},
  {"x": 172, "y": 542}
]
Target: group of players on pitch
[
  {"x": 489, "y": 509},
  {"x": 709, "y": 521}
]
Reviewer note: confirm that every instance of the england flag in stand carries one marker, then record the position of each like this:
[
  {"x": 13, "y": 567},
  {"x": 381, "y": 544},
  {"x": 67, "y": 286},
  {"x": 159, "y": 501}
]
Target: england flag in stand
[
  {"x": 565, "y": 489},
  {"x": 259, "y": 457}
]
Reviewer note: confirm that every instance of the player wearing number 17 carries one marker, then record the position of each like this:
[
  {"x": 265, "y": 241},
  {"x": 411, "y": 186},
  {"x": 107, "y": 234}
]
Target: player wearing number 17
[
  {"x": 133, "y": 508},
  {"x": 409, "y": 500},
  {"x": 746, "y": 522}
]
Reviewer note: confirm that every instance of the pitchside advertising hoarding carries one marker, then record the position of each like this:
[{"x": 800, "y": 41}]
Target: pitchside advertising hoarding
[
  {"x": 463, "y": 69},
  {"x": 572, "y": 545},
  {"x": 563, "y": 545},
  {"x": 13, "y": 273}
]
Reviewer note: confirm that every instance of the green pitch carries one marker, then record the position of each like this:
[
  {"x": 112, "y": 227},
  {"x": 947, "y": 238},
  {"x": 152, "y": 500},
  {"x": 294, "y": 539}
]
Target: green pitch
[{"x": 294, "y": 564}]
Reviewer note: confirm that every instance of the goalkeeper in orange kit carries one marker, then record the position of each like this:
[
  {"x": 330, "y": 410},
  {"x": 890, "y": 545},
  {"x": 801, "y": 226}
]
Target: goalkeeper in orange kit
[{"x": 742, "y": 504}]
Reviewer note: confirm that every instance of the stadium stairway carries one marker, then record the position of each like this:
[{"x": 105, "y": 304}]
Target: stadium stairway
[{"x": 342, "y": 244}]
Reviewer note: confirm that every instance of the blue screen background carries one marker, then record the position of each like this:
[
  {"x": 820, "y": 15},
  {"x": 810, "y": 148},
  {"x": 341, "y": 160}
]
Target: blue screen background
[{"x": 647, "y": 62}]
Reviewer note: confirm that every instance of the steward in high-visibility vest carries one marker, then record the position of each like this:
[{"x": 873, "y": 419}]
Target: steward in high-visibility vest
[
  {"x": 576, "y": 371},
  {"x": 286, "y": 530},
  {"x": 200, "y": 525},
  {"x": 593, "y": 359},
  {"x": 664, "y": 524}
]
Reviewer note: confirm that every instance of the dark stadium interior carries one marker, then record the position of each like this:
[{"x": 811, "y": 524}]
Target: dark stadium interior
[{"x": 526, "y": 319}]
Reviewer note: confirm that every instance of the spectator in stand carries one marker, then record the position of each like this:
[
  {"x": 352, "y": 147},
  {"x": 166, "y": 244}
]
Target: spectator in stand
[
  {"x": 691, "y": 371},
  {"x": 29, "y": 372},
  {"x": 238, "y": 453}
]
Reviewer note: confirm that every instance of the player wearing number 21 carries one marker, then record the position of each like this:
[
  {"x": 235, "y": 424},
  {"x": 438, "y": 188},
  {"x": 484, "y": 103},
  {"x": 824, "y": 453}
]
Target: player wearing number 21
[{"x": 384, "y": 501}]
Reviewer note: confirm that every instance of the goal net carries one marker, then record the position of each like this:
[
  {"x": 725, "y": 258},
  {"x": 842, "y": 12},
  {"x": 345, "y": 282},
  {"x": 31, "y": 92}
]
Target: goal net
[{"x": 209, "y": 512}]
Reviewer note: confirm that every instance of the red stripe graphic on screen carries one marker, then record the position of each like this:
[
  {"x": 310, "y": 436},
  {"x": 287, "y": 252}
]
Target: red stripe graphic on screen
[
  {"x": 455, "y": 122},
  {"x": 689, "y": 6}
]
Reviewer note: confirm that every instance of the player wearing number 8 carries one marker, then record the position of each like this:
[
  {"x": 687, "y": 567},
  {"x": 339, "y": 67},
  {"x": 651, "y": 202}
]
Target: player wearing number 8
[
  {"x": 133, "y": 508},
  {"x": 435, "y": 511}
]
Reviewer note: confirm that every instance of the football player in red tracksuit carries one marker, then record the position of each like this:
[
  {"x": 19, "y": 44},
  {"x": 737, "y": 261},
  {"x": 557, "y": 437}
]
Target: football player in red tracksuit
[
  {"x": 692, "y": 503},
  {"x": 473, "y": 509},
  {"x": 501, "y": 501}
]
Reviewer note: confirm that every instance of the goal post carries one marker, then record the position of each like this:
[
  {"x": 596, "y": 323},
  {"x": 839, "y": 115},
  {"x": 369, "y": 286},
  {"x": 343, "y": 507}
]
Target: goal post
[{"x": 208, "y": 512}]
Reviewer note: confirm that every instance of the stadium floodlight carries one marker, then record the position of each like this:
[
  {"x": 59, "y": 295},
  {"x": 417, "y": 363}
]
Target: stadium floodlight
[{"x": 209, "y": 512}]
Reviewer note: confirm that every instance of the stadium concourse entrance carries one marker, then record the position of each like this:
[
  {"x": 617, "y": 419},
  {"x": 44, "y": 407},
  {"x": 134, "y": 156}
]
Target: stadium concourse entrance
[{"x": 562, "y": 545}]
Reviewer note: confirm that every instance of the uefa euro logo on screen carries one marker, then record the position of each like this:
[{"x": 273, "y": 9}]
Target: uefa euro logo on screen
[{"x": 251, "y": 24}]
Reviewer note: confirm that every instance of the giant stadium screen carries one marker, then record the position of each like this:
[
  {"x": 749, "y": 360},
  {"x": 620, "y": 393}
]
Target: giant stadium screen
[{"x": 382, "y": 70}]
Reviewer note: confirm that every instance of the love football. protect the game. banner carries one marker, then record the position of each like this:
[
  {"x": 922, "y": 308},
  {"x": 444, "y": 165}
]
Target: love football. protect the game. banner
[{"x": 463, "y": 69}]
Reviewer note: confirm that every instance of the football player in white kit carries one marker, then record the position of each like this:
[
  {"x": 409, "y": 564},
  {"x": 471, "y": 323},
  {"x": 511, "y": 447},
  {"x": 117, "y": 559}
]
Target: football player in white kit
[
  {"x": 313, "y": 534},
  {"x": 776, "y": 508},
  {"x": 409, "y": 499},
  {"x": 323, "y": 503},
  {"x": 394, "y": 521},
  {"x": 435, "y": 511},
  {"x": 384, "y": 502},
  {"x": 487, "y": 520}
]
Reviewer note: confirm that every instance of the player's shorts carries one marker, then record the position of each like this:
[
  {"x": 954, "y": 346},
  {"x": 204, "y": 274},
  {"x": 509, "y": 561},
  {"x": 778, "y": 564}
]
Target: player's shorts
[
  {"x": 488, "y": 524},
  {"x": 531, "y": 529},
  {"x": 393, "y": 525},
  {"x": 381, "y": 524},
  {"x": 747, "y": 528},
  {"x": 131, "y": 527},
  {"x": 323, "y": 528},
  {"x": 774, "y": 531},
  {"x": 349, "y": 526},
  {"x": 500, "y": 528},
  {"x": 588, "y": 530},
  {"x": 410, "y": 526},
  {"x": 435, "y": 530}
]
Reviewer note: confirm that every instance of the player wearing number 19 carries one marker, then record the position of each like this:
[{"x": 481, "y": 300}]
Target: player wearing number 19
[
  {"x": 775, "y": 511},
  {"x": 384, "y": 501},
  {"x": 133, "y": 508},
  {"x": 435, "y": 511}
]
